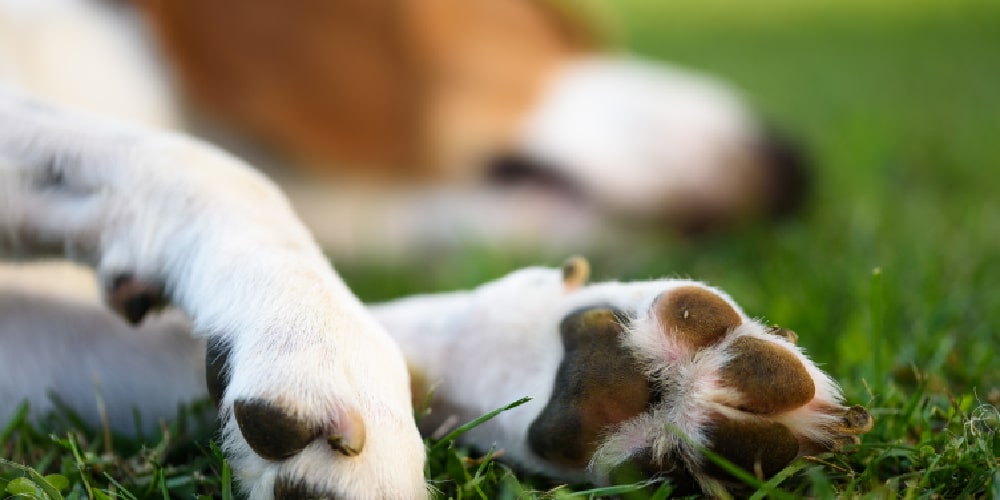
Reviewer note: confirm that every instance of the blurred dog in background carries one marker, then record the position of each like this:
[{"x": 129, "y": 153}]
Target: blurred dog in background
[{"x": 506, "y": 121}]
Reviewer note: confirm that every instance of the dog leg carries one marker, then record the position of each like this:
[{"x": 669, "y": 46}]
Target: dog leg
[
  {"x": 313, "y": 394},
  {"x": 640, "y": 376}
]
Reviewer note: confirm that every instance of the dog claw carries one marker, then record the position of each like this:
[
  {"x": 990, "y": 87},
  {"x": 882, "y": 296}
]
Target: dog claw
[
  {"x": 575, "y": 272},
  {"x": 351, "y": 440},
  {"x": 856, "y": 421}
]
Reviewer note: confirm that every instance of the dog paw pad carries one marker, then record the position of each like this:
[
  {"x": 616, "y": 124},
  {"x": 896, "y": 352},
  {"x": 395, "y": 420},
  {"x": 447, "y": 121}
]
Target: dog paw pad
[
  {"x": 770, "y": 379},
  {"x": 291, "y": 489},
  {"x": 133, "y": 298},
  {"x": 270, "y": 431},
  {"x": 697, "y": 316},
  {"x": 274, "y": 434},
  {"x": 756, "y": 446}
]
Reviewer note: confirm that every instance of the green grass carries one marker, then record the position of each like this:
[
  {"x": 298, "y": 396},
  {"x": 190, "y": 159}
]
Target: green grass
[{"x": 899, "y": 103}]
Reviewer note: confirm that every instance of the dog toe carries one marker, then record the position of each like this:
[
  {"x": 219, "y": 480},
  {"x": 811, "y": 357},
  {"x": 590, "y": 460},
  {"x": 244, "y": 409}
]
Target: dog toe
[
  {"x": 770, "y": 379},
  {"x": 270, "y": 431},
  {"x": 296, "y": 489},
  {"x": 133, "y": 298},
  {"x": 275, "y": 434}
]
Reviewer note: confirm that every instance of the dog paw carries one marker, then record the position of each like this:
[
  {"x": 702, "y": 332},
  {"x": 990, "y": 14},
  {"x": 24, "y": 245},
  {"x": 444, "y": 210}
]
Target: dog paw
[
  {"x": 296, "y": 425},
  {"x": 313, "y": 395},
  {"x": 654, "y": 386}
]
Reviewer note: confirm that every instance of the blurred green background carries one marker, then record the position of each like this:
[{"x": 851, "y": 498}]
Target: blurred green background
[{"x": 898, "y": 103}]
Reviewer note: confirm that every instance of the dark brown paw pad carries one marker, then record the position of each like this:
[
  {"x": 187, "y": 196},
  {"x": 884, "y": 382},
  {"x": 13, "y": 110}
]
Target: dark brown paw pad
[
  {"x": 296, "y": 489},
  {"x": 769, "y": 378},
  {"x": 275, "y": 434},
  {"x": 598, "y": 385},
  {"x": 696, "y": 315},
  {"x": 757, "y": 446},
  {"x": 133, "y": 298}
]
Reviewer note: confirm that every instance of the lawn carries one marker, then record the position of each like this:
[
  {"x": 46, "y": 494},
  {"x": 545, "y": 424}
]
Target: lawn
[{"x": 891, "y": 277}]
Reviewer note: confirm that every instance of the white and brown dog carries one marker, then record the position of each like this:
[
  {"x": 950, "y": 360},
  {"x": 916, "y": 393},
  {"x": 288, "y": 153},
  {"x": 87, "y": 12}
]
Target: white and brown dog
[{"x": 313, "y": 395}]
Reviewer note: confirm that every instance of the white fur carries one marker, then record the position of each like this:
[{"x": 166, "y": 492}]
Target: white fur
[
  {"x": 645, "y": 139},
  {"x": 233, "y": 256}
]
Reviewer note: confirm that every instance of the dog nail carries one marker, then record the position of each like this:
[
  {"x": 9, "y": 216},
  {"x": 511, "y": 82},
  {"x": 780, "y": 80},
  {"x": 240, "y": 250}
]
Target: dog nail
[
  {"x": 857, "y": 420},
  {"x": 270, "y": 431},
  {"x": 350, "y": 438},
  {"x": 598, "y": 385},
  {"x": 769, "y": 378},
  {"x": 575, "y": 272},
  {"x": 698, "y": 316},
  {"x": 784, "y": 333}
]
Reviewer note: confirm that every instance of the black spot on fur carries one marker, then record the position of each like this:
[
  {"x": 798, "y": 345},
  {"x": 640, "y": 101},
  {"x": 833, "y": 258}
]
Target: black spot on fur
[
  {"x": 770, "y": 378},
  {"x": 270, "y": 431}
]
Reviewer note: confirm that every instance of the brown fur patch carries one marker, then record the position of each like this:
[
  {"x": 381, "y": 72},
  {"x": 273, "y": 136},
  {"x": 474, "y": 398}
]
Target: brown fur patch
[
  {"x": 643, "y": 467},
  {"x": 598, "y": 385},
  {"x": 770, "y": 379},
  {"x": 696, "y": 315},
  {"x": 287, "y": 489},
  {"x": 750, "y": 444},
  {"x": 378, "y": 86}
]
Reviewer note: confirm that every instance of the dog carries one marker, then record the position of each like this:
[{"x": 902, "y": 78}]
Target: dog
[
  {"x": 421, "y": 106},
  {"x": 163, "y": 217}
]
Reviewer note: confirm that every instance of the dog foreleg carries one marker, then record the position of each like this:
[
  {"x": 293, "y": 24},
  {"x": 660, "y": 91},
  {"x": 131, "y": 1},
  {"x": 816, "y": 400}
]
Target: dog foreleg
[{"x": 313, "y": 394}]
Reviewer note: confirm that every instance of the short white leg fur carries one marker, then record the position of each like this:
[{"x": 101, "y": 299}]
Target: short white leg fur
[{"x": 230, "y": 253}]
